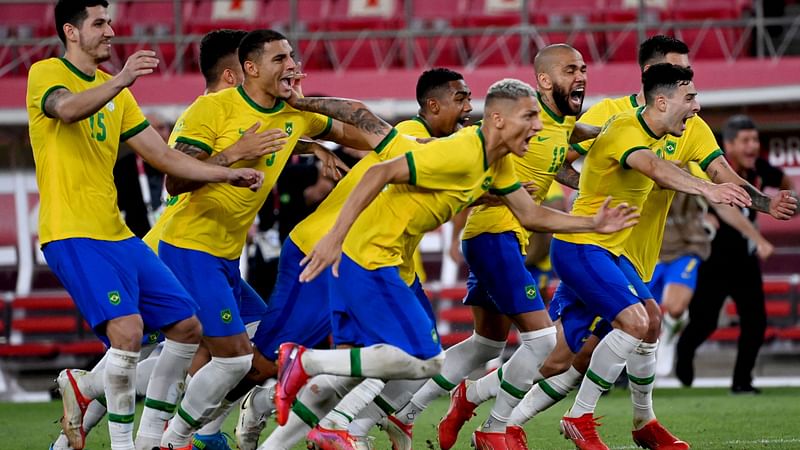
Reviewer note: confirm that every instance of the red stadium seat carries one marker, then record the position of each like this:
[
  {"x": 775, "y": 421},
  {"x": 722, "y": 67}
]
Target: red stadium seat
[
  {"x": 44, "y": 303},
  {"x": 28, "y": 350},
  {"x": 147, "y": 20},
  {"x": 26, "y": 20},
  {"x": 237, "y": 14},
  {"x": 455, "y": 294},
  {"x": 707, "y": 43},
  {"x": 45, "y": 325},
  {"x": 456, "y": 315},
  {"x": 89, "y": 347}
]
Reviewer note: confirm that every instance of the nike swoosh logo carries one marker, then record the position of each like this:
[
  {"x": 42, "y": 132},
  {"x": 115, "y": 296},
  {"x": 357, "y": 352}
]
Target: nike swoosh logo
[{"x": 542, "y": 138}]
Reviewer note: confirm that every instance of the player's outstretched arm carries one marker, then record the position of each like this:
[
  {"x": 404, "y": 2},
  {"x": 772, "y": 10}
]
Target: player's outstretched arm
[
  {"x": 250, "y": 146},
  {"x": 72, "y": 107},
  {"x": 155, "y": 151},
  {"x": 354, "y": 126},
  {"x": 328, "y": 250},
  {"x": 782, "y": 206},
  {"x": 543, "y": 219},
  {"x": 670, "y": 176}
]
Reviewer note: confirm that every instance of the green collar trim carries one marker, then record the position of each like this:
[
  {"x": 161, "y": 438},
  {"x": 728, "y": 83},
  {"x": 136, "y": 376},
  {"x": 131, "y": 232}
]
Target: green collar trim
[
  {"x": 77, "y": 71},
  {"x": 644, "y": 124},
  {"x": 549, "y": 112},
  {"x": 483, "y": 146},
  {"x": 634, "y": 103},
  {"x": 419, "y": 119},
  {"x": 278, "y": 104}
]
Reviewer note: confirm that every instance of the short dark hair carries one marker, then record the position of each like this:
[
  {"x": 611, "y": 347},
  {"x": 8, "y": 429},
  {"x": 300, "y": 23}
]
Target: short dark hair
[
  {"x": 735, "y": 124},
  {"x": 434, "y": 79},
  {"x": 215, "y": 46},
  {"x": 656, "y": 48},
  {"x": 252, "y": 44},
  {"x": 665, "y": 76},
  {"x": 73, "y": 12}
]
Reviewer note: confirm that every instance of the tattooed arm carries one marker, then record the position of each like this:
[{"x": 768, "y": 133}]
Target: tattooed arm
[
  {"x": 354, "y": 125},
  {"x": 568, "y": 176},
  {"x": 782, "y": 206},
  {"x": 583, "y": 132}
]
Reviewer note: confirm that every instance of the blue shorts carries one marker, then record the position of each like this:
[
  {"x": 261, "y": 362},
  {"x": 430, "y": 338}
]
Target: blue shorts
[
  {"x": 498, "y": 279},
  {"x": 110, "y": 279},
  {"x": 252, "y": 305},
  {"x": 296, "y": 312},
  {"x": 542, "y": 277},
  {"x": 376, "y": 307},
  {"x": 213, "y": 282},
  {"x": 594, "y": 283},
  {"x": 577, "y": 321},
  {"x": 679, "y": 271}
]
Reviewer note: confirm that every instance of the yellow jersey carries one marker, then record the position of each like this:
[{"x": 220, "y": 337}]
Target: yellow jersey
[
  {"x": 172, "y": 204},
  {"x": 75, "y": 162},
  {"x": 444, "y": 177},
  {"x": 697, "y": 145},
  {"x": 546, "y": 153},
  {"x": 601, "y": 112},
  {"x": 215, "y": 218},
  {"x": 308, "y": 232},
  {"x": 605, "y": 173}
]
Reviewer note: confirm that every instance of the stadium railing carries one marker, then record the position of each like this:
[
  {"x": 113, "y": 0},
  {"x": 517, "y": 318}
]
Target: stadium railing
[{"x": 413, "y": 33}]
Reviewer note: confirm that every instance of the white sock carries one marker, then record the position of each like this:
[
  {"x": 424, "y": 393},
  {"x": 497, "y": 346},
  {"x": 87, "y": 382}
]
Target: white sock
[
  {"x": 143, "y": 372},
  {"x": 641, "y": 367},
  {"x": 318, "y": 397},
  {"x": 120, "y": 371},
  {"x": 262, "y": 400},
  {"x": 521, "y": 371},
  {"x": 95, "y": 412},
  {"x": 376, "y": 361},
  {"x": 91, "y": 385},
  {"x": 164, "y": 388},
  {"x": 460, "y": 360},
  {"x": 366, "y": 419},
  {"x": 607, "y": 362},
  {"x": 545, "y": 394},
  {"x": 485, "y": 387},
  {"x": 214, "y": 426},
  {"x": 351, "y": 404},
  {"x": 61, "y": 442},
  {"x": 203, "y": 396}
]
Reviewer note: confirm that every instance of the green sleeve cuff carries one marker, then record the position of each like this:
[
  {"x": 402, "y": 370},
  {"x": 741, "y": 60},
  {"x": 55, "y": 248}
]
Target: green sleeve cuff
[
  {"x": 201, "y": 145},
  {"x": 412, "y": 169},
  {"x": 325, "y": 131},
  {"x": 708, "y": 159},
  {"x": 506, "y": 190},
  {"x": 623, "y": 160},
  {"x": 46, "y": 94},
  {"x": 134, "y": 131},
  {"x": 386, "y": 140},
  {"x": 579, "y": 149}
]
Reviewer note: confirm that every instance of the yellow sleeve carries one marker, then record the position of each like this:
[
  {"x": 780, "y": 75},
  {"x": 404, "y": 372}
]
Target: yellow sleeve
[
  {"x": 318, "y": 125},
  {"x": 200, "y": 124},
  {"x": 42, "y": 81},
  {"x": 505, "y": 179},
  {"x": 133, "y": 120},
  {"x": 432, "y": 166},
  {"x": 702, "y": 145},
  {"x": 597, "y": 116},
  {"x": 695, "y": 170},
  {"x": 554, "y": 193},
  {"x": 623, "y": 137}
]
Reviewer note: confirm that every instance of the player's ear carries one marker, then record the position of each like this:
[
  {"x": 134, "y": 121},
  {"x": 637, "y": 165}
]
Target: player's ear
[
  {"x": 250, "y": 68},
  {"x": 497, "y": 119},
  {"x": 71, "y": 32},
  {"x": 433, "y": 105},
  {"x": 544, "y": 81}
]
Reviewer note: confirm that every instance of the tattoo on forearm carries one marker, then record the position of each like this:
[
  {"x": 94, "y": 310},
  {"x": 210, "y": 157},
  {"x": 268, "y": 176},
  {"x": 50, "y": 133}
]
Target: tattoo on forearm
[
  {"x": 568, "y": 176},
  {"x": 760, "y": 200},
  {"x": 347, "y": 111},
  {"x": 177, "y": 186},
  {"x": 52, "y": 100}
]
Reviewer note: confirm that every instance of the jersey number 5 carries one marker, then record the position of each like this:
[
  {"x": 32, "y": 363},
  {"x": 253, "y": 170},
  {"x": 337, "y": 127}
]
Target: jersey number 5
[{"x": 100, "y": 132}]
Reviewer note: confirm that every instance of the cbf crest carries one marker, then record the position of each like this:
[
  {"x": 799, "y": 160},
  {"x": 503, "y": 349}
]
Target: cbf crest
[
  {"x": 670, "y": 146},
  {"x": 288, "y": 127}
]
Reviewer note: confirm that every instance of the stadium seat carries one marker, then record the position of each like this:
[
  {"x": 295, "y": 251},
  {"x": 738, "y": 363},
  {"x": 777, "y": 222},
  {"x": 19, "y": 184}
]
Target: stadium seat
[
  {"x": 87, "y": 347},
  {"x": 775, "y": 309},
  {"x": 45, "y": 325},
  {"x": 26, "y": 20},
  {"x": 573, "y": 14},
  {"x": 459, "y": 314},
  {"x": 149, "y": 20},
  {"x": 28, "y": 350},
  {"x": 705, "y": 43},
  {"x": 237, "y": 14},
  {"x": 50, "y": 302}
]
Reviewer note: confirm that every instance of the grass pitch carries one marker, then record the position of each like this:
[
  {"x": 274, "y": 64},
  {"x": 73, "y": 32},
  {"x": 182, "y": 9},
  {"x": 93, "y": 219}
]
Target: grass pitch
[{"x": 706, "y": 418}]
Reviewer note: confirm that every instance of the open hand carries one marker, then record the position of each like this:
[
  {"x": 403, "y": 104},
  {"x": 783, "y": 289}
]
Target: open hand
[
  {"x": 783, "y": 206},
  {"x": 327, "y": 252},
  {"x": 143, "y": 62},
  {"x": 253, "y": 145},
  {"x": 332, "y": 166},
  {"x": 610, "y": 220},
  {"x": 727, "y": 194}
]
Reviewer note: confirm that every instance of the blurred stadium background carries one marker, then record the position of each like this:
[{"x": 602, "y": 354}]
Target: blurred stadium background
[{"x": 746, "y": 56}]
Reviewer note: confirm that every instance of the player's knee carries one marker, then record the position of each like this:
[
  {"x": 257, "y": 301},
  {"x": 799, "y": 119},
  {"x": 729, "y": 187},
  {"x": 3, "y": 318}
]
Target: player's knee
[
  {"x": 125, "y": 333},
  {"x": 186, "y": 331},
  {"x": 553, "y": 367},
  {"x": 432, "y": 366}
]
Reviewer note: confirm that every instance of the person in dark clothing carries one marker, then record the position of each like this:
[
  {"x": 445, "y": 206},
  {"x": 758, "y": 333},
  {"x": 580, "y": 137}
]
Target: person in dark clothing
[{"x": 733, "y": 269}]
